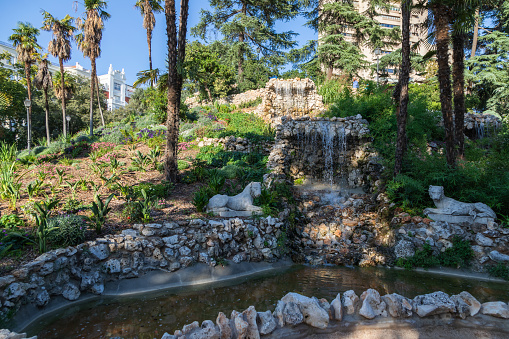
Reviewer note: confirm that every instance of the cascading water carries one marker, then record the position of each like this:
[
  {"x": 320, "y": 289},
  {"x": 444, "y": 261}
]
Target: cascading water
[
  {"x": 480, "y": 130},
  {"x": 328, "y": 152}
]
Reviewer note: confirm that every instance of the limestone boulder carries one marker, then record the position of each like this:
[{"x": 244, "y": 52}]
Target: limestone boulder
[
  {"x": 266, "y": 322},
  {"x": 291, "y": 314},
  {"x": 497, "y": 309},
  {"x": 337, "y": 308},
  {"x": 350, "y": 302},
  {"x": 372, "y": 305},
  {"x": 433, "y": 303},
  {"x": 223, "y": 323},
  {"x": 398, "y": 306},
  {"x": 466, "y": 304},
  {"x": 314, "y": 315}
]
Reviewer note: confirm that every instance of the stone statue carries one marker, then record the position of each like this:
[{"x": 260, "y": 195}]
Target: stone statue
[
  {"x": 454, "y": 211},
  {"x": 240, "y": 205}
]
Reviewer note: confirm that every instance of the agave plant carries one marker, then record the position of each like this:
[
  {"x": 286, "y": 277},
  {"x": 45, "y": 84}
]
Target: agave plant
[{"x": 100, "y": 210}]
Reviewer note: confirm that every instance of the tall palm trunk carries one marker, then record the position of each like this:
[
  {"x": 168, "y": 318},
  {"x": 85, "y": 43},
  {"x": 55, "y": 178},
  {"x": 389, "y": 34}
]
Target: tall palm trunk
[
  {"x": 176, "y": 54},
  {"x": 29, "y": 89},
  {"x": 92, "y": 83},
  {"x": 441, "y": 14},
  {"x": 476, "y": 34},
  {"x": 46, "y": 108},
  {"x": 99, "y": 101},
  {"x": 458, "y": 76},
  {"x": 62, "y": 85},
  {"x": 171, "y": 168},
  {"x": 404, "y": 75},
  {"x": 149, "y": 42}
]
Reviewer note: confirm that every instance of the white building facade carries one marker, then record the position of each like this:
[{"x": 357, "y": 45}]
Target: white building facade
[{"x": 118, "y": 92}]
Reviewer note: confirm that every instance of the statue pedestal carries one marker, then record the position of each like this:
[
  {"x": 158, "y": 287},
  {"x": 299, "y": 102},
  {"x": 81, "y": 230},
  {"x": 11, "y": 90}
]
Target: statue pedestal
[
  {"x": 234, "y": 214},
  {"x": 459, "y": 219}
]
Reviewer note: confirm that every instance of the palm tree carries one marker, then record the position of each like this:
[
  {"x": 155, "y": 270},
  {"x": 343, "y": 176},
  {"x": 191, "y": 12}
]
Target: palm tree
[
  {"x": 176, "y": 54},
  {"x": 147, "y": 76},
  {"x": 25, "y": 41},
  {"x": 66, "y": 91},
  {"x": 89, "y": 42},
  {"x": 60, "y": 46},
  {"x": 43, "y": 81},
  {"x": 147, "y": 9},
  {"x": 403, "y": 87}
]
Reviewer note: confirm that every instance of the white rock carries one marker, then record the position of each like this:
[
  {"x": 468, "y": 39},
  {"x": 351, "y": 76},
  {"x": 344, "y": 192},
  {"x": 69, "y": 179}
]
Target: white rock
[
  {"x": 372, "y": 305},
  {"x": 397, "y": 305},
  {"x": 482, "y": 240},
  {"x": 292, "y": 314},
  {"x": 100, "y": 251},
  {"x": 336, "y": 308},
  {"x": 42, "y": 298},
  {"x": 71, "y": 292},
  {"x": 267, "y": 323},
  {"x": 433, "y": 303},
  {"x": 466, "y": 304},
  {"x": 225, "y": 331},
  {"x": 249, "y": 316},
  {"x": 314, "y": 315},
  {"x": 278, "y": 313},
  {"x": 350, "y": 301},
  {"x": 497, "y": 309},
  {"x": 498, "y": 257}
]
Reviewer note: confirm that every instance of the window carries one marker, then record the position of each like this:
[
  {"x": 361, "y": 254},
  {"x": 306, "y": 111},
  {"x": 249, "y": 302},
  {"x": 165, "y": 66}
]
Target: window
[
  {"x": 116, "y": 86},
  {"x": 347, "y": 34},
  {"x": 390, "y": 17},
  {"x": 395, "y": 9},
  {"x": 388, "y": 26}
]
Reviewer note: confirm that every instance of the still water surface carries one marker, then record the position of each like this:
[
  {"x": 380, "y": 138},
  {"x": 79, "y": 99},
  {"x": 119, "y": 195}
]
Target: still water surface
[{"x": 150, "y": 315}]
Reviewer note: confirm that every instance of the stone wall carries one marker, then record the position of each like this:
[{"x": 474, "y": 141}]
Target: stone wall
[
  {"x": 170, "y": 246},
  {"x": 490, "y": 242},
  {"x": 354, "y": 233},
  {"x": 478, "y": 126},
  {"x": 237, "y": 144},
  {"x": 294, "y": 97},
  {"x": 234, "y": 99},
  {"x": 295, "y": 309},
  {"x": 332, "y": 150}
]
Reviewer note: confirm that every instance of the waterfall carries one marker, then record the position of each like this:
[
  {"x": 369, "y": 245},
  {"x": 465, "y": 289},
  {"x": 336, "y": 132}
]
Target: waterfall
[
  {"x": 479, "y": 129},
  {"x": 328, "y": 152}
]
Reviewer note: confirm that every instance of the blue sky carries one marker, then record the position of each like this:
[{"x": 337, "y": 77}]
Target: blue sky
[{"x": 124, "y": 42}]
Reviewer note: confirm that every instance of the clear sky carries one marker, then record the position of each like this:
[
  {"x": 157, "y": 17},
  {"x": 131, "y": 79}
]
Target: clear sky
[{"x": 124, "y": 42}]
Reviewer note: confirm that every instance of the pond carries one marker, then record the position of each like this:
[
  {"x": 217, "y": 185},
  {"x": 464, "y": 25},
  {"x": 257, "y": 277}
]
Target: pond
[{"x": 150, "y": 315}]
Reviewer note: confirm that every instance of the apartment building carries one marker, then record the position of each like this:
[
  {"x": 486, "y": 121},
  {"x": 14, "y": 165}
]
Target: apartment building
[
  {"x": 118, "y": 92},
  {"x": 387, "y": 20}
]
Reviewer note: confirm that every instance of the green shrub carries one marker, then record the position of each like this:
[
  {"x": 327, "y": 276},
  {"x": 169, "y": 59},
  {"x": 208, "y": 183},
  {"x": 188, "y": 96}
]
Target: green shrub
[
  {"x": 459, "y": 255},
  {"x": 183, "y": 165},
  {"x": 499, "y": 270},
  {"x": 132, "y": 211},
  {"x": 69, "y": 230},
  {"x": 201, "y": 198},
  {"x": 161, "y": 190},
  {"x": 216, "y": 181},
  {"x": 11, "y": 221}
]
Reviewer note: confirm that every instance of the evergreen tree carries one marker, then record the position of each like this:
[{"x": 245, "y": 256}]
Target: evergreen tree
[{"x": 250, "y": 26}]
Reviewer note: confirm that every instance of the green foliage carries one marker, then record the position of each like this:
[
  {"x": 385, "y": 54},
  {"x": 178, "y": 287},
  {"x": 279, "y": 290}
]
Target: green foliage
[
  {"x": 100, "y": 210},
  {"x": 273, "y": 200},
  {"x": 11, "y": 241},
  {"x": 204, "y": 68},
  {"x": 249, "y": 104},
  {"x": 68, "y": 230},
  {"x": 216, "y": 181},
  {"x": 132, "y": 211},
  {"x": 201, "y": 198},
  {"x": 43, "y": 229},
  {"x": 140, "y": 161},
  {"x": 146, "y": 204},
  {"x": 499, "y": 270},
  {"x": 459, "y": 255},
  {"x": 161, "y": 190}
]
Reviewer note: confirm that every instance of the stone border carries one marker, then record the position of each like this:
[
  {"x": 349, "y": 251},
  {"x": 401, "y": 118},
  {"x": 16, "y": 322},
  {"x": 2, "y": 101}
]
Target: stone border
[
  {"x": 154, "y": 282},
  {"x": 295, "y": 309}
]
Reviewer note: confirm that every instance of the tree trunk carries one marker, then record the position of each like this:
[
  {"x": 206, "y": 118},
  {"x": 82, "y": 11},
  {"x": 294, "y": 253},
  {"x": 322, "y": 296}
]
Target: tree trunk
[
  {"x": 149, "y": 42},
  {"x": 458, "y": 76},
  {"x": 441, "y": 14},
  {"x": 171, "y": 168},
  {"x": 46, "y": 107},
  {"x": 329, "y": 72},
  {"x": 99, "y": 101},
  {"x": 92, "y": 82},
  {"x": 62, "y": 85},
  {"x": 176, "y": 54},
  {"x": 29, "y": 89},
  {"x": 241, "y": 48},
  {"x": 476, "y": 34},
  {"x": 403, "y": 81}
]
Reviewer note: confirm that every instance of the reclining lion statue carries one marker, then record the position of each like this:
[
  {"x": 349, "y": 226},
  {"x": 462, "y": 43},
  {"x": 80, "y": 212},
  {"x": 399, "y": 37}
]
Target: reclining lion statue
[
  {"x": 240, "y": 205},
  {"x": 453, "y": 211}
]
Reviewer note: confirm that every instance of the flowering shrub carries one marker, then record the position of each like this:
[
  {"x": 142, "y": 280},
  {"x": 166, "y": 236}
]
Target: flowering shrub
[
  {"x": 183, "y": 146},
  {"x": 70, "y": 229},
  {"x": 101, "y": 145}
]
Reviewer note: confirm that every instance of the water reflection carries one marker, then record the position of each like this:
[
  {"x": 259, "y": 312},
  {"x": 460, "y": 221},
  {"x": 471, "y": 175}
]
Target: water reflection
[{"x": 151, "y": 315}]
